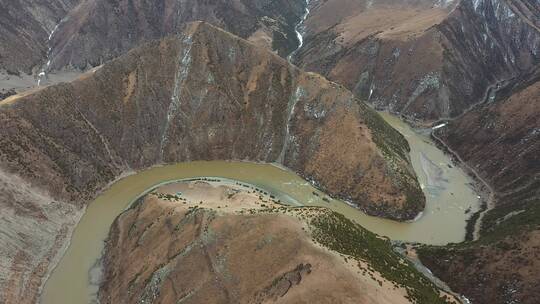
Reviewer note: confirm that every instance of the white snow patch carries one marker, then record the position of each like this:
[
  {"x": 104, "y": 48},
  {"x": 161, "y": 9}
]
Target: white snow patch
[
  {"x": 44, "y": 69},
  {"x": 419, "y": 216},
  {"x": 184, "y": 65},
  {"x": 439, "y": 126},
  {"x": 299, "y": 93}
]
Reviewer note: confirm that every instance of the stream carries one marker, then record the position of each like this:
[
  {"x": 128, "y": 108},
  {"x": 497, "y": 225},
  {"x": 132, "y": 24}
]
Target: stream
[{"x": 298, "y": 31}]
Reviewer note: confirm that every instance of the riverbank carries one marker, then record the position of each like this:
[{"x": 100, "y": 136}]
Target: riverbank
[
  {"x": 408, "y": 251},
  {"x": 442, "y": 222},
  {"x": 91, "y": 231},
  {"x": 482, "y": 188},
  {"x": 212, "y": 224},
  {"x": 442, "y": 177}
]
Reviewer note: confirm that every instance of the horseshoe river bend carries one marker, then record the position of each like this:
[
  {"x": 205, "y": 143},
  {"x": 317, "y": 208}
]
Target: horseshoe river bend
[{"x": 450, "y": 201}]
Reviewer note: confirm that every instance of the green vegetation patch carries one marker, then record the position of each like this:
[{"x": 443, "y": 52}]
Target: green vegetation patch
[
  {"x": 389, "y": 140},
  {"x": 499, "y": 222},
  {"x": 338, "y": 233},
  {"x": 168, "y": 197},
  {"x": 395, "y": 150}
]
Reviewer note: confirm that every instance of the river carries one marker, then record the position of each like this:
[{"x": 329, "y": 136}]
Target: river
[
  {"x": 298, "y": 30},
  {"x": 447, "y": 189}
]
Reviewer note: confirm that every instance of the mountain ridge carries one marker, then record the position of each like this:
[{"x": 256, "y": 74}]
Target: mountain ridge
[
  {"x": 422, "y": 59},
  {"x": 500, "y": 139},
  {"x": 223, "y": 98}
]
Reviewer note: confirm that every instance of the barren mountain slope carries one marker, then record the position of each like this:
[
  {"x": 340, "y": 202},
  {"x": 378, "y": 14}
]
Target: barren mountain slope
[
  {"x": 25, "y": 30},
  {"x": 46, "y": 42},
  {"x": 425, "y": 59},
  {"x": 25, "y": 26},
  {"x": 203, "y": 95},
  {"x": 501, "y": 140},
  {"x": 202, "y": 242},
  {"x": 100, "y": 30}
]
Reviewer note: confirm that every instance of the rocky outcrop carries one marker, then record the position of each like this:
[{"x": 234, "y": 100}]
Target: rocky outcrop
[
  {"x": 6, "y": 93},
  {"x": 203, "y": 95},
  {"x": 501, "y": 141},
  {"x": 424, "y": 59},
  {"x": 98, "y": 31}
]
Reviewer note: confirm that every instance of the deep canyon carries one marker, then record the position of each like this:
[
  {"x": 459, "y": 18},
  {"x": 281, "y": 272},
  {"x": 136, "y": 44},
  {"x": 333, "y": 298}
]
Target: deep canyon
[{"x": 93, "y": 91}]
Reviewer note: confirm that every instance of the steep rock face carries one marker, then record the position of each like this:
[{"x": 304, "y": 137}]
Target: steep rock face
[
  {"x": 100, "y": 30},
  {"x": 25, "y": 27},
  {"x": 424, "y": 59},
  {"x": 203, "y": 95},
  {"x": 489, "y": 42},
  {"x": 501, "y": 141}
]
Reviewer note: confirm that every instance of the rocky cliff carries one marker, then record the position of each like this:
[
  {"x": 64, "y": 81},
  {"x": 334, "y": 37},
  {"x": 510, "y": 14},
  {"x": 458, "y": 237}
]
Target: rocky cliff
[
  {"x": 203, "y": 95},
  {"x": 424, "y": 59}
]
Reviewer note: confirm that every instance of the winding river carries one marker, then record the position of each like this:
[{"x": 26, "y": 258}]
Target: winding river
[{"x": 450, "y": 201}]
